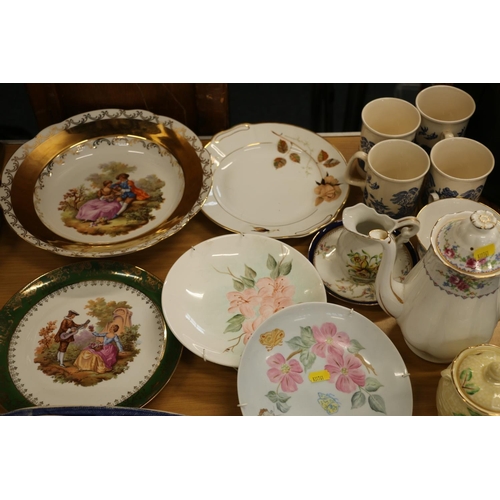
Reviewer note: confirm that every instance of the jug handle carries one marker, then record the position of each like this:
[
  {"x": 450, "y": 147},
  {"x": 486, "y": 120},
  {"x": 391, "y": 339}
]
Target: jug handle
[
  {"x": 350, "y": 177},
  {"x": 408, "y": 227}
]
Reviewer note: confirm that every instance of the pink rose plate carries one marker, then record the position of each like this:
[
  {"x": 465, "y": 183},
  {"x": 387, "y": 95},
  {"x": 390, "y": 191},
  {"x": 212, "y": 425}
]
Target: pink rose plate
[
  {"x": 322, "y": 359},
  {"x": 221, "y": 290}
]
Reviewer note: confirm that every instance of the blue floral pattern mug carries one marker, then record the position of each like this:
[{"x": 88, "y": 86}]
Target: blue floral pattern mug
[
  {"x": 445, "y": 112},
  {"x": 387, "y": 118},
  {"x": 459, "y": 169},
  {"x": 393, "y": 177}
]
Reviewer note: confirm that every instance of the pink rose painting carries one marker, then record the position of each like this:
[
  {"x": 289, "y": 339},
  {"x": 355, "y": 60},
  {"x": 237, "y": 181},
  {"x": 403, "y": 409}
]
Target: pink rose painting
[
  {"x": 323, "y": 348},
  {"x": 255, "y": 299}
]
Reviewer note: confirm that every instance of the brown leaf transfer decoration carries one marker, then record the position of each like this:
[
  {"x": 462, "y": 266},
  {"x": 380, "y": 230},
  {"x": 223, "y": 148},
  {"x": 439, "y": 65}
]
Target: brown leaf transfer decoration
[
  {"x": 322, "y": 156},
  {"x": 295, "y": 157},
  {"x": 279, "y": 162},
  {"x": 282, "y": 146},
  {"x": 332, "y": 162}
]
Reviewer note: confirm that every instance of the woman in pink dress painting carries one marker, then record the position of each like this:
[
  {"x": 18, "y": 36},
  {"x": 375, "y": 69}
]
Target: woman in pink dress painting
[
  {"x": 105, "y": 207},
  {"x": 99, "y": 357}
]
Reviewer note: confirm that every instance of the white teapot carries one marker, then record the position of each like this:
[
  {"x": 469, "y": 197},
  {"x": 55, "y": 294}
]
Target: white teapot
[{"x": 449, "y": 301}]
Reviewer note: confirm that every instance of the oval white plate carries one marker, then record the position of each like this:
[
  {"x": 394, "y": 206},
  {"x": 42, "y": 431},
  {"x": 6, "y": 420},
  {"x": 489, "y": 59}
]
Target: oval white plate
[
  {"x": 322, "y": 359},
  {"x": 277, "y": 179},
  {"x": 220, "y": 291}
]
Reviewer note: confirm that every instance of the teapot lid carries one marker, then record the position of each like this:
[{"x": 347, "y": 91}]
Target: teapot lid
[
  {"x": 469, "y": 242},
  {"x": 476, "y": 377}
]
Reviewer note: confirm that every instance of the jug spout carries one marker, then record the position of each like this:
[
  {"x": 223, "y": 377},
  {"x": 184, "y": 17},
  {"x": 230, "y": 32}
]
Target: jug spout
[{"x": 361, "y": 219}]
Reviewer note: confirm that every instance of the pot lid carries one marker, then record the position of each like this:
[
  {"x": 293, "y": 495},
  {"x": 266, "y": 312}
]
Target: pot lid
[
  {"x": 469, "y": 242},
  {"x": 476, "y": 377}
]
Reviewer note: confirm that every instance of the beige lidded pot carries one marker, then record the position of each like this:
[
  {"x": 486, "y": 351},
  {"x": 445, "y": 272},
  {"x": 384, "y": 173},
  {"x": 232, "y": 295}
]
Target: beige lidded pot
[{"x": 470, "y": 386}]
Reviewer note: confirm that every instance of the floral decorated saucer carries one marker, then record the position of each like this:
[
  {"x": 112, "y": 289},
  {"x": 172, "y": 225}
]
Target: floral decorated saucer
[
  {"x": 322, "y": 359},
  {"x": 104, "y": 183},
  {"x": 86, "y": 334},
  {"x": 276, "y": 179},
  {"x": 349, "y": 273},
  {"x": 221, "y": 290}
]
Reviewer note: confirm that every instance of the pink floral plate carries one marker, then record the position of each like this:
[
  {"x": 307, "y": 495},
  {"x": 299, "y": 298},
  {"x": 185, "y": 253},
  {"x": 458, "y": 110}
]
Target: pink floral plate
[
  {"x": 322, "y": 359},
  {"x": 221, "y": 290}
]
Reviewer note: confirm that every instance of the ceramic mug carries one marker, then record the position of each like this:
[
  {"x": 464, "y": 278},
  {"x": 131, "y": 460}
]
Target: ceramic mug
[
  {"x": 393, "y": 176},
  {"x": 459, "y": 169},
  {"x": 445, "y": 112},
  {"x": 387, "y": 118}
]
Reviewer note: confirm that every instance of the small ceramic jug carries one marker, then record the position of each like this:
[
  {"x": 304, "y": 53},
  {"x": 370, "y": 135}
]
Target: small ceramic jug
[
  {"x": 360, "y": 257},
  {"x": 470, "y": 386}
]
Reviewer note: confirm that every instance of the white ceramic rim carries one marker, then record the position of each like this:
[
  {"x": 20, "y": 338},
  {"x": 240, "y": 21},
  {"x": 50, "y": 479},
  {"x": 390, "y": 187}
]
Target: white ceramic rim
[
  {"x": 454, "y": 89},
  {"x": 441, "y": 144},
  {"x": 407, "y": 104},
  {"x": 405, "y": 144}
]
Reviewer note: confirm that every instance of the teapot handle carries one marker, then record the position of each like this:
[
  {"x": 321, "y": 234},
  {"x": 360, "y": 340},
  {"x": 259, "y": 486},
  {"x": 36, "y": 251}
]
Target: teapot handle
[{"x": 408, "y": 227}]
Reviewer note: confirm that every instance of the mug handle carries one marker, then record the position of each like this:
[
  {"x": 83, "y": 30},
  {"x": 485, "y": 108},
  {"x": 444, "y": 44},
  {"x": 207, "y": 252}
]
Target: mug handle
[
  {"x": 351, "y": 177},
  {"x": 447, "y": 134},
  {"x": 433, "y": 196}
]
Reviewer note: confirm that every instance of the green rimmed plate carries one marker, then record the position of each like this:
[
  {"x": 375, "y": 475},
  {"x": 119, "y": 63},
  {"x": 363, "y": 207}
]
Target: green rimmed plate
[{"x": 130, "y": 359}]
